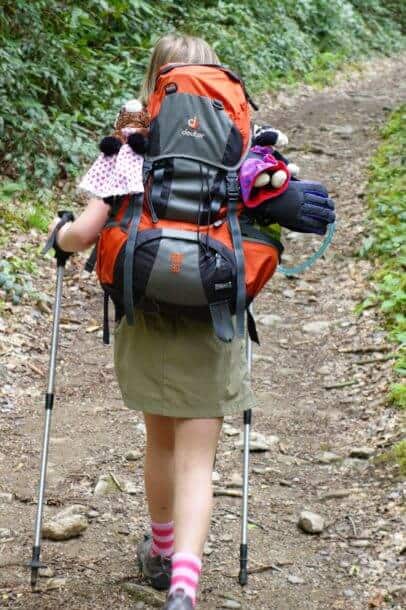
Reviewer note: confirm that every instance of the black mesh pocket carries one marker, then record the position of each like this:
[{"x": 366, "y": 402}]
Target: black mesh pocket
[{"x": 186, "y": 191}]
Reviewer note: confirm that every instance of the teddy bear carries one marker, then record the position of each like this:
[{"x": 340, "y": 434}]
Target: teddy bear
[{"x": 130, "y": 127}]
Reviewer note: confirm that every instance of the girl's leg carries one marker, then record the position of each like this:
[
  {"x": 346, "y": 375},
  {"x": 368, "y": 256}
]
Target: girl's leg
[
  {"x": 159, "y": 467},
  {"x": 154, "y": 552},
  {"x": 195, "y": 449}
]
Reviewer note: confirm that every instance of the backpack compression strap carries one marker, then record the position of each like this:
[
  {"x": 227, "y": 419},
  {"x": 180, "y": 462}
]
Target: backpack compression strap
[
  {"x": 135, "y": 210},
  {"x": 233, "y": 195},
  {"x": 222, "y": 321}
]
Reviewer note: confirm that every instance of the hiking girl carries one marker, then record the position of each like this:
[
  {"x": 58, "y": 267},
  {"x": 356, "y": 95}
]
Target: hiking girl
[{"x": 185, "y": 380}]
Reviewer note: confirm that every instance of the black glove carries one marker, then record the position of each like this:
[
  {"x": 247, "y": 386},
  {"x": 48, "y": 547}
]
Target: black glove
[
  {"x": 304, "y": 207},
  {"x": 60, "y": 255}
]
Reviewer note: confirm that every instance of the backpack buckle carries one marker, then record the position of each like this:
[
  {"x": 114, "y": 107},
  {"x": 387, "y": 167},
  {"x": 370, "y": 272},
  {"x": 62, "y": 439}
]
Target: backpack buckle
[
  {"x": 146, "y": 170},
  {"x": 233, "y": 186}
]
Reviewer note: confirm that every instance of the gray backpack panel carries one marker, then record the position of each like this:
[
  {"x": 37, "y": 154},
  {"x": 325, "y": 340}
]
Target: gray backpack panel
[{"x": 195, "y": 127}]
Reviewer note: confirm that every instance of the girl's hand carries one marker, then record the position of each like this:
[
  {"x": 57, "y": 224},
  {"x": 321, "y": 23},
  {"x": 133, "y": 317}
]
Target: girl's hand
[{"x": 61, "y": 231}]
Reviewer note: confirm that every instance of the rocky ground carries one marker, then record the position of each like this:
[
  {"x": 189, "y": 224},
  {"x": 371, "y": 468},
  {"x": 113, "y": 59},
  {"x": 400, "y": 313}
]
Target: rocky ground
[{"x": 323, "y": 428}]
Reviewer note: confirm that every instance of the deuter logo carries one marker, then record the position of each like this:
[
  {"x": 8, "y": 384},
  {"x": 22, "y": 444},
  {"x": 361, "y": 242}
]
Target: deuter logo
[
  {"x": 176, "y": 260},
  {"x": 194, "y": 125}
]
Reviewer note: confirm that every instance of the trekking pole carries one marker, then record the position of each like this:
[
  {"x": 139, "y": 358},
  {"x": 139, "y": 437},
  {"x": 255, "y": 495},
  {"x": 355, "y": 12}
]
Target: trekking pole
[
  {"x": 243, "y": 575},
  {"x": 61, "y": 258}
]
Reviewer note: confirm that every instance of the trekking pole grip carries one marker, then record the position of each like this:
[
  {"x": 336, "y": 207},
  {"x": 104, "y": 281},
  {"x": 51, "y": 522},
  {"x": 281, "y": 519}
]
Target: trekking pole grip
[{"x": 60, "y": 255}]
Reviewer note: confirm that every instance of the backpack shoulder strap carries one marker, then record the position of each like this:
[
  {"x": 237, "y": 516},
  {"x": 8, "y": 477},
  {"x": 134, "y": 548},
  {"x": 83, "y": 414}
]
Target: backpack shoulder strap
[{"x": 233, "y": 196}]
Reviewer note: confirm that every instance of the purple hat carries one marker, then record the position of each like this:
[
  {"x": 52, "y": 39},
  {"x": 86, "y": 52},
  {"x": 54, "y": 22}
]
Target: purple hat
[{"x": 252, "y": 168}]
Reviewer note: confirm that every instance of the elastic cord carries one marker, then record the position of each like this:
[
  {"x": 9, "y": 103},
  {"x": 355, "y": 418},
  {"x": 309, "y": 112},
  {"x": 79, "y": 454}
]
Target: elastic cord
[{"x": 309, "y": 262}]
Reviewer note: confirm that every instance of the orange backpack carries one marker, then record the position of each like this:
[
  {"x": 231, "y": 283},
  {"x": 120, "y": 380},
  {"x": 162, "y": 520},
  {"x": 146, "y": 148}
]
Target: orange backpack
[{"x": 184, "y": 245}]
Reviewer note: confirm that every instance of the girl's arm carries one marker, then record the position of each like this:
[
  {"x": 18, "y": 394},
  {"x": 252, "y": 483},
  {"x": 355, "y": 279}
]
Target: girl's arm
[{"x": 83, "y": 232}]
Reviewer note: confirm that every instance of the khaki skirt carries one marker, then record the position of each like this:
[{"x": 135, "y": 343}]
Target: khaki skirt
[{"x": 177, "y": 367}]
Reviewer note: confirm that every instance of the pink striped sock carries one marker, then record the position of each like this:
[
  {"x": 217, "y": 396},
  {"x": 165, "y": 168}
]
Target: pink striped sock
[
  {"x": 186, "y": 568},
  {"x": 163, "y": 537}
]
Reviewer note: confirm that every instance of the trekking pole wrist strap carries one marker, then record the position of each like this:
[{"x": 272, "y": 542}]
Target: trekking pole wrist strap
[{"x": 60, "y": 255}]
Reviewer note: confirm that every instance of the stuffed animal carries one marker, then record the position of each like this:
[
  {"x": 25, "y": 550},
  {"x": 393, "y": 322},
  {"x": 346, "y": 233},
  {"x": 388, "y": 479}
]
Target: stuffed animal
[
  {"x": 130, "y": 127},
  {"x": 267, "y": 136}
]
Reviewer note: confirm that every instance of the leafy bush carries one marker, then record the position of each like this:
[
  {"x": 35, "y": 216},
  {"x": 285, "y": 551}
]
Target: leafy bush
[
  {"x": 67, "y": 66},
  {"x": 400, "y": 455},
  {"x": 386, "y": 242}
]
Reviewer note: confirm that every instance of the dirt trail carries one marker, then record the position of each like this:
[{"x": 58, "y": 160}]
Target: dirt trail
[{"x": 357, "y": 557}]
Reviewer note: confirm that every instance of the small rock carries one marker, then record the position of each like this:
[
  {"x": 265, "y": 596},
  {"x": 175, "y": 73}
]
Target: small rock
[
  {"x": 58, "y": 440},
  {"x": 230, "y": 603},
  {"x": 46, "y": 572},
  {"x": 131, "y": 488},
  {"x": 230, "y": 430},
  {"x": 230, "y": 517},
  {"x": 227, "y": 538},
  {"x": 106, "y": 518},
  {"x": 105, "y": 486},
  {"x": 316, "y": 327},
  {"x": 348, "y": 593},
  {"x": 289, "y": 293},
  {"x": 5, "y": 533},
  {"x": 270, "y": 320},
  {"x": 208, "y": 549},
  {"x": 344, "y": 131},
  {"x": 295, "y": 580},
  {"x": 215, "y": 477},
  {"x": 263, "y": 470},
  {"x": 360, "y": 544},
  {"x": 336, "y": 494},
  {"x": 66, "y": 528},
  {"x": 362, "y": 453},
  {"x": 133, "y": 456},
  {"x": 143, "y": 594},
  {"x": 311, "y": 523},
  {"x": 55, "y": 583},
  {"x": 140, "y": 606},
  {"x": 74, "y": 509},
  {"x": 6, "y": 498},
  {"x": 327, "y": 457},
  {"x": 236, "y": 480},
  {"x": 398, "y": 590},
  {"x": 259, "y": 442}
]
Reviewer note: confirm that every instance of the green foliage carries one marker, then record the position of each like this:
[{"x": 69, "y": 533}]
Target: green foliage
[
  {"x": 15, "y": 281},
  {"x": 17, "y": 207},
  {"x": 386, "y": 241},
  {"x": 67, "y": 66},
  {"x": 398, "y": 395},
  {"x": 399, "y": 451}
]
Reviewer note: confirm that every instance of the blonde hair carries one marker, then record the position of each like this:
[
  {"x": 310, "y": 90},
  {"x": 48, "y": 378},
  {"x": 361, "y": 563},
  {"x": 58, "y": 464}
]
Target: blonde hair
[{"x": 175, "y": 48}]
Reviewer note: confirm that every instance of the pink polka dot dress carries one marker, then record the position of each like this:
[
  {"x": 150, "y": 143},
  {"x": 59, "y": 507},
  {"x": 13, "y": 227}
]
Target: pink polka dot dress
[{"x": 119, "y": 174}]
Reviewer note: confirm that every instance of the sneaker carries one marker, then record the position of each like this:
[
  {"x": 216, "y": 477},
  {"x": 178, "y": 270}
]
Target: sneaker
[
  {"x": 155, "y": 569},
  {"x": 178, "y": 601}
]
